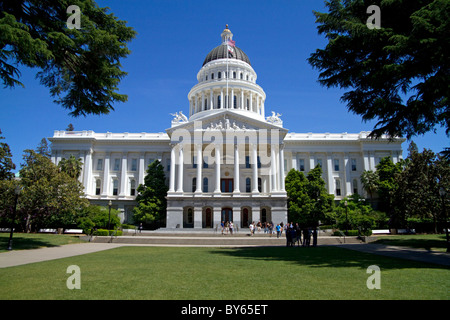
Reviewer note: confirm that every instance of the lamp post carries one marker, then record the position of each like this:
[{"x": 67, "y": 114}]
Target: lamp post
[
  {"x": 442, "y": 193},
  {"x": 16, "y": 197},
  {"x": 109, "y": 217}
]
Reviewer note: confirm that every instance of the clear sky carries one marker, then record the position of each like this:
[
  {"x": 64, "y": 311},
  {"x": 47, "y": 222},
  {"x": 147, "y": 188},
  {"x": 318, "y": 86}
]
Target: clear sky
[{"x": 174, "y": 37}]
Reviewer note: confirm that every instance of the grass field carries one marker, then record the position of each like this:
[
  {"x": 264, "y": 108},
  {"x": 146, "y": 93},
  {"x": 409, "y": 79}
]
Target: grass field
[{"x": 273, "y": 273}]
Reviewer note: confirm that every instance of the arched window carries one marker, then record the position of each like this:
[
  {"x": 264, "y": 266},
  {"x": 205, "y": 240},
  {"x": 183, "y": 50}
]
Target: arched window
[
  {"x": 194, "y": 184},
  {"x": 263, "y": 215},
  {"x": 190, "y": 216},
  {"x": 219, "y": 75},
  {"x": 259, "y": 184},
  {"x": 248, "y": 184},
  {"x": 205, "y": 184},
  {"x": 234, "y": 74},
  {"x": 212, "y": 76},
  {"x": 218, "y": 102},
  {"x": 234, "y": 102}
]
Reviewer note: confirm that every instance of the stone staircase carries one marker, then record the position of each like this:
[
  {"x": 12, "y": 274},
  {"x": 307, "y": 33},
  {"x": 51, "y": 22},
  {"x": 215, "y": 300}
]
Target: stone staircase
[{"x": 199, "y": 238}]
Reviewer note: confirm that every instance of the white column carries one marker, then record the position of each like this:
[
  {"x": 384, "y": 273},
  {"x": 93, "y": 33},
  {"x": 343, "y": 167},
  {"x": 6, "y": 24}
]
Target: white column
[
  {"x": 222, "y": 103},
  {"x": 282, "y": 167},
  {"x": 123, "y": 175},
  {"x": 236, "y": 169},
  {"x": 211, "y": 98},
  {"x": 106, "y": 175},
  {"x": 180, "y": 169},
  {"x": 330, "y": 173},
  {"x": 218, "y": 158},
  {"x": 198, "y": 188},
  {"x": 254, "y": 168},
  {"x": 273, "y": 168},
  {"x": 141, "y": 168},
  {"x": 203, "y": 101},
  {"x": 241, "y": 106},
  {"x": 251, "y": 101},
  {"x": 172, "y": 169},
  {"x": 88, "y": 172}
]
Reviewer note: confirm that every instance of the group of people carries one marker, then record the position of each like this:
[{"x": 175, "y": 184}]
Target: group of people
[
  {"x": 227, "y": 227},
  {"x": 292, "y": 232},
  {"x": 294, "y": 235}
]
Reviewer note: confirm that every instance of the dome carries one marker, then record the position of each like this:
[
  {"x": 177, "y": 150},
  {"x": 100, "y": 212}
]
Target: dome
[{"x": 221, "y": 51}]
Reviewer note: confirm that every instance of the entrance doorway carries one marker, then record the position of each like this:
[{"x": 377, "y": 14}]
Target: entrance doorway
[
  {"x": 226, "y": 185},
  {"x": 227, "y": 214},
  {"x": 208, "y": 218}
]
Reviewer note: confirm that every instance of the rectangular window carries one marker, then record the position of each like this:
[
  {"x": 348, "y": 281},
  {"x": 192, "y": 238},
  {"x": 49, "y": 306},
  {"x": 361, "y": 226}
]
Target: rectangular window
[
  {"x": 116, "y": 164},
  {"x": 353, "y": 164},
  {"x": 319, "y": 162},
  {"x": 168, "y": 164},
  {"x": 336, "y": 164},
  {"x": 338, "y": 187},
  {"x": 205, "y": 184},
  {"x": 150, "y": 161},
  {"x": 99, "y": 164},
  {"x": 133, "y": 164},
  {"x": 115, "y": 187},
  {"x": 301, "y": 164},
  {"x": 97, "y": 187}
]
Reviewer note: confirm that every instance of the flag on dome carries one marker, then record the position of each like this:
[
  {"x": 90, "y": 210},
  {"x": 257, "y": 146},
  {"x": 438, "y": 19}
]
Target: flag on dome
[{"x": 230, "y": 44}]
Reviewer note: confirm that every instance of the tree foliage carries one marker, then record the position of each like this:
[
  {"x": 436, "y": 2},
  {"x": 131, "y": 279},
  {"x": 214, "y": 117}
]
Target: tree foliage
[
  {"x": 6, "y": 163},
  {"x": 151, "y": 198},
  {"x": 72, "y": 166},
  {"x": 81, "y": 67},
  {"x": 398, "y": 74},
  {"x": 49, "y": 197},
  {"x": 308, "y": 199}
]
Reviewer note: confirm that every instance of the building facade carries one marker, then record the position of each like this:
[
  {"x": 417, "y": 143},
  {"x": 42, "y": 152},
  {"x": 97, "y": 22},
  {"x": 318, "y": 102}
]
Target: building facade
[{"x": 225, "y": 161}]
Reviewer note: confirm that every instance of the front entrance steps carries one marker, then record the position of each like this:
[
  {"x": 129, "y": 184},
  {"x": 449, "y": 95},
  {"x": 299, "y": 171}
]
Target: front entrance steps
[{"x": 212, "y": 239}]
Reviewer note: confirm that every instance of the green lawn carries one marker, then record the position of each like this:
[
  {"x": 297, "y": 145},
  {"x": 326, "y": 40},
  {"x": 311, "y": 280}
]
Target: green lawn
[
  {"x": 221, "y": 273},
  {"x": 23, "y": 241},
  {"x": 433, "y": 242}
]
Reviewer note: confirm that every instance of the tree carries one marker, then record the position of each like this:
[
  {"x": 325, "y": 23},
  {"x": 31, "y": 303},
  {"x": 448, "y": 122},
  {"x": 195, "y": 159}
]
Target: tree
[
  {"x": 43, "y": 148},
  {"x": 6, "y": 163},
  {"x": 397, "y": 74},
  {"x": 151, "y": 198},
  {"x": 81, "y": 67},
  {"x": 308, "y": 200},
  {"x": 388, "y": 184},
  {"x": 49, "y": 197},
  {"x": 98, "y": 217},
  {"x": 369, "y": 181},
  {"x": 71, "y": 166},
  {"x": 418, "y": 197}
]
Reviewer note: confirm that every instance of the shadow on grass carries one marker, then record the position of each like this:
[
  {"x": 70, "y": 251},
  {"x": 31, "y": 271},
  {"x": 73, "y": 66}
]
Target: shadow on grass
[
  {"x": 324, "y": 257},
  {"x": 25, "y": 241},
  {"x": 438, "y": 241}
]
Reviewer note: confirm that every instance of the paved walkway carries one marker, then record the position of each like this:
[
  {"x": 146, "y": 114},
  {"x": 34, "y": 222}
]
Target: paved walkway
[
  {"x": 21, "y": 257},
  {"x": 421, "y": 255}
]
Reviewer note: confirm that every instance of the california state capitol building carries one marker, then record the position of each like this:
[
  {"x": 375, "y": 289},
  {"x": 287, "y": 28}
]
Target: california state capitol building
[{"x": 226, "y": 158}]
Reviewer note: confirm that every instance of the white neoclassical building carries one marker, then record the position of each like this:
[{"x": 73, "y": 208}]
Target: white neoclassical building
[{"x": 225, "y": 160}]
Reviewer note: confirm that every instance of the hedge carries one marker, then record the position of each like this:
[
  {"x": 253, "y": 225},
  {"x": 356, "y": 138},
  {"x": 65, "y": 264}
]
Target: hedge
[
  {"x": 104, "y": 232},
  {"x": 353, "y": 233}
]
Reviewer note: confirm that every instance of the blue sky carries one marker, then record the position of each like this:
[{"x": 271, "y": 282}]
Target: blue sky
[{"x": 173, "y": 39}]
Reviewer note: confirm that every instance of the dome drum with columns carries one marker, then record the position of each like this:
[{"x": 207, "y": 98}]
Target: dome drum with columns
[{"x": 224, "y": 160}]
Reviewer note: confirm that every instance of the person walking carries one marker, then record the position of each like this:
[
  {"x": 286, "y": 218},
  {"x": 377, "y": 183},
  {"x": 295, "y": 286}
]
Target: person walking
[
  {"x": 222, "y": 224},
  {"x": 251, "y": 228},
  {"x": 299, "y": 233},
  {"x": 231, "y": 227},
  {"x": 278, "y": 230}
]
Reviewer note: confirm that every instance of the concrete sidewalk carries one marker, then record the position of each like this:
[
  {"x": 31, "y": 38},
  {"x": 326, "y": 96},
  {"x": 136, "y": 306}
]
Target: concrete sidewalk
[{"x": 408, "y": 253}]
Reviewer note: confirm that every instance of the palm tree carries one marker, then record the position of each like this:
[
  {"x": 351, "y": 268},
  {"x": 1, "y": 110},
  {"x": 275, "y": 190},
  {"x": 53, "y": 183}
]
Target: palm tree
[
  {"x": 71, "y": 166},
  {"x": 369, "y": 180}
]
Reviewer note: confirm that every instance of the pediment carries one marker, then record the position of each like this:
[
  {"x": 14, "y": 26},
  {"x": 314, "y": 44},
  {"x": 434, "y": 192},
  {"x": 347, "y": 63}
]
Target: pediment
[{"x": 225, "y": 120}]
